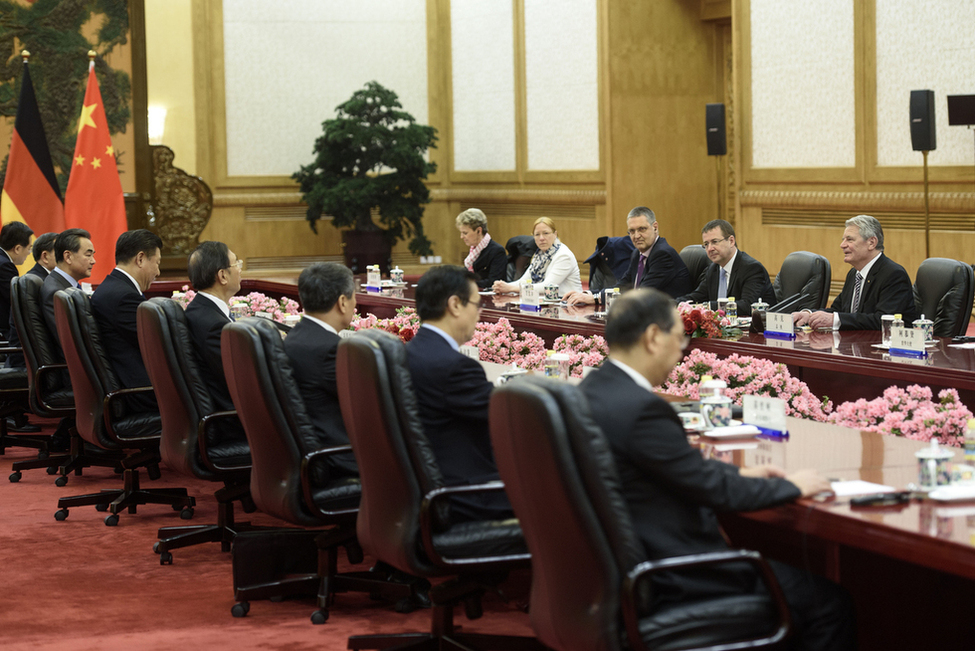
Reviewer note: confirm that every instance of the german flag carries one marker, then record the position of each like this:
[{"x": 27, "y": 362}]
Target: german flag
[{"x": 30, "y": 189}]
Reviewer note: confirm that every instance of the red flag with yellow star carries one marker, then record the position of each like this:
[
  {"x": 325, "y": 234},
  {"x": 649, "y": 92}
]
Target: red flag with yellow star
[{"x": 94, "y": 198}]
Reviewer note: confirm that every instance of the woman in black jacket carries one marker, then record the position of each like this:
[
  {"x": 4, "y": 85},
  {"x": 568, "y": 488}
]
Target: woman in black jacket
[{"x": 486, "y": 258}]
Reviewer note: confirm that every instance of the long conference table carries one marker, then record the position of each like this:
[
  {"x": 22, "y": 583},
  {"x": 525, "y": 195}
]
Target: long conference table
[{"x": 911, "y": 569}]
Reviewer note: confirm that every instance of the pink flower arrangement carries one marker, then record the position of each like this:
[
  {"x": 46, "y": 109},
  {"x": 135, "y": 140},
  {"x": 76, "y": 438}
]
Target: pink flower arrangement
[
  {"x": 247, "y": 305},
  {"x": 582, "y": 351},
  {"x": 912, "y": 413},
  {"x": 404, "y": 325},
  {"x": 184, "y": 297},
  {"x": 747, "y": 376},
  {"x": 499, "y": 343}
]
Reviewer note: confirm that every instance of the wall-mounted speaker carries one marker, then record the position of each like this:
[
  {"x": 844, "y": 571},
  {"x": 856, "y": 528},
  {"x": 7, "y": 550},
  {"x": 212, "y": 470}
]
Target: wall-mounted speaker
[
  {"x": 922, "y": 121},
  {"x": 714, "y": 119}
]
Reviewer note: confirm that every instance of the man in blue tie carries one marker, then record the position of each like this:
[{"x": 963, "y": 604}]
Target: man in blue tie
[
  {"x": 654, "y": 263},
  {"x": 732, "y": 272},
  {"x": 875, "y": 286}
]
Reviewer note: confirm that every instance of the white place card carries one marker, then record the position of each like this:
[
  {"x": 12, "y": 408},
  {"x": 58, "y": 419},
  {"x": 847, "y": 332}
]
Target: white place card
[
  {"x": 346, "y": 334},
  {"x": 373, "y": 278},
  {"x": 530, "y": 296},
  {"x": 264, "y": 315},
  {"x": 907, "y": 339},
  {"x": 471, "y": 351},
  {"x": 764, "y": 412},
  {"x": 779, "y": 322}
]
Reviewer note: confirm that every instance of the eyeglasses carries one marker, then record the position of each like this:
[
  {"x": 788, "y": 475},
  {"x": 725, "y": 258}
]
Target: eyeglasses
[
  {"x": 708, "y": 245},
  {"x": 239, "y": 264},
  {"x": 643, "y": 230}
]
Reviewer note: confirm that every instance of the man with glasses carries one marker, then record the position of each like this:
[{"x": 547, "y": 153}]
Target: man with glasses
[
  {"x": 654, "y": 262},
  {"x": 452, "y": 390},
  {"x": 672, "y": 492},
  {"x": 214, "y": 272},
  {"x": 732, "y": 272}
]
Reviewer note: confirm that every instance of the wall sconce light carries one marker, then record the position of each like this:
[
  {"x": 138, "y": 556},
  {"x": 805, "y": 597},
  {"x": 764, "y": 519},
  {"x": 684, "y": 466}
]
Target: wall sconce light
[{"x": 157, "y": 124}]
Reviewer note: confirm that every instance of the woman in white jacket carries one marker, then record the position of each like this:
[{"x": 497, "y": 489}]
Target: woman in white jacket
[{"x": 552, "y": 264}]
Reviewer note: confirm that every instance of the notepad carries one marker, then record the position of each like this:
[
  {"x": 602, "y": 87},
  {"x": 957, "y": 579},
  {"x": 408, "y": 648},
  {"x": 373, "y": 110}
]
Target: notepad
[{"x": 859, "y": 487}]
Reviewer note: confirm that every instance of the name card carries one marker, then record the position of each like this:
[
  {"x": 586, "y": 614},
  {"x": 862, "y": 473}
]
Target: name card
[
  {"x": 346, "y": 334},
  {"x": 530, "y": 297},
  {"x": 471, "y": 351},
  {"x": 765, "y": 413},
  {"x": 779, "y": 324},
  {"x": 373, "y": 278},
  {"x": 907, "y": 341},
  {"x": 264, "y": 315}
]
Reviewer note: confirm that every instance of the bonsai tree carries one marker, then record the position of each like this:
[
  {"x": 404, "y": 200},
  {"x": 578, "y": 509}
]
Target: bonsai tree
[{"x": 371, "y": 156}]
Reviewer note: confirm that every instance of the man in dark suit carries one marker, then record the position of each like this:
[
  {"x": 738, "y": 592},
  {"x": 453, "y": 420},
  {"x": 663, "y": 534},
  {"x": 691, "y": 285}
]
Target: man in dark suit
[
  {"x": 327, "y": 293},
  {"x": 75, "y": 256},
  {"x": 875, "y": 286},
  {"x": 731, "y": 272},
  {"x": 654, "y": 262},
  {"x": 452, "y": 390},
  {"x": 214, "y": 272},
  {"x": 672, "y": 492},
  {"x": 14, "y": 247},
  {"x": 43, "y": 251},
  {"x": 115, "y": 304}
]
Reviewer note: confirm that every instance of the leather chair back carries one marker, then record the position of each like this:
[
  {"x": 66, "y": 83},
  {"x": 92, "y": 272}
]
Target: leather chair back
[
  {"x": 396, "y": 464},
  {"x": 561, "y": 479},
  {"x": 520, "y": 249},
  {"x": 697, "y": 261},
  {"x": 181, "y": 393},
  {"x": 277, "y": 425},
  {"x": 943, "y": 292},
  {"x": 807, "y": 274},
  {"x": 51, "y": 396}
]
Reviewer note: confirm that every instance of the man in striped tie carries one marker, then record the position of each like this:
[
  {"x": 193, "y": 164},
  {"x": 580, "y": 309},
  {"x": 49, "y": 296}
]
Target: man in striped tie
[{"x": 876, "y": 285}]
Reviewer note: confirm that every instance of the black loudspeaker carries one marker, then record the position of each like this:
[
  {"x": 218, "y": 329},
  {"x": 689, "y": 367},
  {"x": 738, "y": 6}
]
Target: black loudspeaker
[
  {"x": 714, "y": 117},
  {"x": 922, "y": 121}
]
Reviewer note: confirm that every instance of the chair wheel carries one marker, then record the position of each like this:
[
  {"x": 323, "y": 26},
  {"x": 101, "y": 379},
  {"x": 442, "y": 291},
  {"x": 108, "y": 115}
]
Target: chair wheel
[
  {"x": 61, "y": 481},
  {"x": 101, "y": 507},
  {"x": 186, "y": 513},
  {"x": 155, "y": 547},
  {"x": 240, "y": 609},
  {"x": 354, "y": 552},
  {"x": 320, "y": 616},
  {"x": 405, "y": 605},
  {"x": 165, "y": 558},
  {"x": 42, "y": 455},
  {"x": 111, "y": 520},
  {"x": 276, "y": 599},
  {"x": 52, "y": 470},
  {"x": 15, "y": 476},
  {"x": 61, "y": 515},
  {"x": 473, "y": 608}
]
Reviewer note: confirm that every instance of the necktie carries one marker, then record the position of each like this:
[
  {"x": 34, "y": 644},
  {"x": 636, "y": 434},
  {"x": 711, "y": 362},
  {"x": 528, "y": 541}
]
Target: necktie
[
  {"x": 723, "y": 284},
  {"x": 856, "y": 293},
  {"x": 639, "y": 270}
]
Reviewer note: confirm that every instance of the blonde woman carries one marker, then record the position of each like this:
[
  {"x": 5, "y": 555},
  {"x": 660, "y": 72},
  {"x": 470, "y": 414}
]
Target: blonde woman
[
  {"x": 487, "y": 259},
  {"x": 552, "y": 264}
]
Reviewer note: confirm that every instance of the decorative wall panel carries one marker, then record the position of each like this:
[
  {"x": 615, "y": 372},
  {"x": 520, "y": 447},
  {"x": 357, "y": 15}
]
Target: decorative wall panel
[
  {"x": 561, "y": 83},
  {"x": 287, "y": 65},
  {"x": 929, "y": 45},
  {"x": 482, "y": 61},
  {"x": 802, "y": 79}
]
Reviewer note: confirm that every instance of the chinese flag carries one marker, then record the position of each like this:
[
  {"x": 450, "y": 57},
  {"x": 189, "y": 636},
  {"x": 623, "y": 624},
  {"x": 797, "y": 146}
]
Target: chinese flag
[
  {"x": 94, "y": 198},
  {"x": 30, "y": 189}
]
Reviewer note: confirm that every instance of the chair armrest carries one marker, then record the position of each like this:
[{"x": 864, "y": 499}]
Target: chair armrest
[
  {"x": 110, "y": 398},
  {"x": 426, "y": 517},
  {"x": 306, "y": 464},
  {"x": 202, "y": 439},
  {"x": 6, "y": 350},
  {"x": 43, "y": 371},
  {"x": 643, "y": 571}
]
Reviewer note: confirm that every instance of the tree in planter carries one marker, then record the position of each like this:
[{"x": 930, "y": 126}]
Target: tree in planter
[{"x": 371, "y": 156}]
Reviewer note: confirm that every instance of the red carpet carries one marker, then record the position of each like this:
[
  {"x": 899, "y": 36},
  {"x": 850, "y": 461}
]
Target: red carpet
[{"x": 80, "y": 585}]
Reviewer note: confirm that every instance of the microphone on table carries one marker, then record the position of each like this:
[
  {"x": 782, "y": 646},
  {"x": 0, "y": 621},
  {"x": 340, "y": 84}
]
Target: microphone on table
[{"x": 758, "y": 318}]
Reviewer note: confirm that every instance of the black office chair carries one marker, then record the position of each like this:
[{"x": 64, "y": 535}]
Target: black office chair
[
  {"x": 284, "y": 484},
  {"x": 943, "y": 292},
  {"x": 404, "y": 516},
  {"x": 806, "y": 274},
  {"x": 50, "y": 393},
  {"x": 15, "y": 399},
  {"x": 105, "y": 421},
  {"x": 609, "y": 262},
  {"x": 590, "y": 588},
  {"x": 196, "y": 440},
  {"x": 520, "y": 249},
  {"x": 697, "y": 261}
]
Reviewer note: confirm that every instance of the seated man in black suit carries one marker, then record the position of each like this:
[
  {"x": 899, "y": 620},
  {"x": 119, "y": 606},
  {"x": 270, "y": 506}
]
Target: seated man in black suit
[
  {"x": 654, "y": 263},
  {"x": 14, "y": 247},
  {"x": 74, "y": 256},
  {"x": 214, "y": 272},
  {"x": 672, "y": 492},
  {"x": 487, "y": 259},
  {"x": 875, "y": 286},
  {"x": 327, "y": 294},
  {"x": 452, "y": 390},
  {"x": 732, "y": 272},
  {"x": 115, "y": 304}
]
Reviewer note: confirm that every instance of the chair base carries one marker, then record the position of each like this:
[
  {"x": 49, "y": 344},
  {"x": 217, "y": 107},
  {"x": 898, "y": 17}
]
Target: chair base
[
  {"x": 74, "y": 461},
  {"x": 223, "y": 532},
  {"x": 130, "y": 496}
]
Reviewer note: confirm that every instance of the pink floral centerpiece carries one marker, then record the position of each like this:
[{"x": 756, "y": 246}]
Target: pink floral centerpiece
[
  {"x": 248, "y": 305},
  {"x": 582, "y": 351},
  {"x": 404, "y": 325},
  {"x": 499, "y": 343}
]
